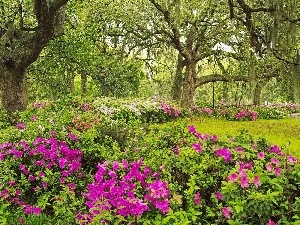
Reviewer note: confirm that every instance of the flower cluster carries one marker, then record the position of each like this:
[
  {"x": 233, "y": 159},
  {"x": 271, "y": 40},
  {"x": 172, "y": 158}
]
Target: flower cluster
[
  {"x": 128, "y": 189},
  {"x": 34, "y": 160},
  {"x": 170, "y": 110},
  {"x": 246, "y": 114}
]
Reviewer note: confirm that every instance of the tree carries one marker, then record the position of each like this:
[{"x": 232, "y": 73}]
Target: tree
[
  {"x": 273, "y": 34},
  {"x": 25, "y": 29}
]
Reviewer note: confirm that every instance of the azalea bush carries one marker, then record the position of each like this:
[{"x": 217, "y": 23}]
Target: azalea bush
[
  {"x": 246, "y": 113},
  {"x": 36, "y": 176},
  {"x": 94, "y": 162}
]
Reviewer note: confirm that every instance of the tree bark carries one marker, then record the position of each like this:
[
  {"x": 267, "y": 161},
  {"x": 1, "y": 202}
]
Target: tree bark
[
  {"x": 14, "y": 91},
  {"x": 257, "y": 93},
  {"x": 20, "y": 47},
  {"x": 178, "y": 79},
  {"x": 189, "y": 84}
]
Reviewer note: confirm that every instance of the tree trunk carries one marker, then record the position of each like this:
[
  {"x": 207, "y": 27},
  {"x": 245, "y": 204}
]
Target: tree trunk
[
  {"x": 178, "y": 78},
  {"x": 14, "y": 91},
  {"x": 20, "y": 47},
  {"x": 189, "y": 85},
  {"x": 257, "y": 93}
]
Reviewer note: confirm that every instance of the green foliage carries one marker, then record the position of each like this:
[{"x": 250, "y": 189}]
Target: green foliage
[{"x": 198, "y": 167}]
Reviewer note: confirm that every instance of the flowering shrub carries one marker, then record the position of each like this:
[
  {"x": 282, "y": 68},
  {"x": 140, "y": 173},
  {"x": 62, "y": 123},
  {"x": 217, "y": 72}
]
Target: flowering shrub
[
  {"x": 63, "y": 174},
  {"x": 244, "y": 113},
  {"x": 36, "y": 173},
  {"x": 125, "y": 189}
]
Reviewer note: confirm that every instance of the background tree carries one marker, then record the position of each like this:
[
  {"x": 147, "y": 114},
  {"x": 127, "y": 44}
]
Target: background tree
[{"x": 26, "y": 27}]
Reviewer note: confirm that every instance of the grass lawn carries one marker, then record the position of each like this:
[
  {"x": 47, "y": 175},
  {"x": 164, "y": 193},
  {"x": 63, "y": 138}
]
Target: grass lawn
[{"x": 284, "y": 133}]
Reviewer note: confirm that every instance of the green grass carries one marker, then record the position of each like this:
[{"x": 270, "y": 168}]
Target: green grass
[{"x": 284, "y": 133}]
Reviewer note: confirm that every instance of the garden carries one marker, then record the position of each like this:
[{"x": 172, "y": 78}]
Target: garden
[
  {"x": 142, "y": 161},
  {"x": 149, "y": 112}
]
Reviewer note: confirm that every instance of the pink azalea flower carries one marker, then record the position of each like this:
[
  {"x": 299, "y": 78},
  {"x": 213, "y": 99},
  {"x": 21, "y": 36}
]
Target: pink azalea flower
[
  {"x": 225, "y": 153},
  {"x": 291, "y": 159},
  {"x": 192, "y": 129},
  {"x": 271, "y": 222},
  {"x": 244, "y": 182},
  {"x": 277, "y": 171},
  {"x": 197, "y": 147},
  {"x": 239, "y": 149},
  {"x": 233, "y": 177},
  {"x": 269, "y": 167},
  {"x": 176, "y": 150},
  {"x": 260, "y": 155},
  {"x": 73, "y": 137},
  {"x": 256, "y": 181},
  {"x": 214, "y": 138},
  {"x": 197, "y": 198},
  {"x": 275, "y": 161},
  {"x": 226, "y": 212},
  {"x": 219, "y": 195}
]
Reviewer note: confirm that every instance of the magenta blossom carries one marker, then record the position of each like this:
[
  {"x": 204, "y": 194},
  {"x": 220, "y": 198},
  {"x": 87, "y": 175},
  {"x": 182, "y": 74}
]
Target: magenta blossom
[
  {"x": 197, "y": 147},
  {"x": 233, "y": 177},
  {"x": 256, "y": 181},
  {"x": 73, "y": 137},
  {"x": 197, "y": 198},
  {"x": 260, "y": 155},
  {"x": 277, "y": 171},
  {"x": 226, "y": 212},
  {"x": 225, "y": 153},
  {"x": 271, "y": 222},
  {"x": 192, "y": 129},
  {"x": 244, "y": 182},
  {"x": 219, "y": 195},
  {"x": 291, "y": 159}
]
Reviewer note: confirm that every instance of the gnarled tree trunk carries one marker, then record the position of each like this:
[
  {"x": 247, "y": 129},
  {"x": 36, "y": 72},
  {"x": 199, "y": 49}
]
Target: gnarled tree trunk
[
  {"x": 14, "y": 91},
  {"x": 178, "y": 79},
  {"x": 189, "y": 85},
  {"x": 20, "y": 47}
]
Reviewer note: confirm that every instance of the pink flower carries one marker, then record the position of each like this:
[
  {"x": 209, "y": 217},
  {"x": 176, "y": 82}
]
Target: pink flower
[
  {"x": 197, "y": 198},
  {"x": 73, "y": 137},
  {"x": 226, "y": 212},
  {"x": 277, "y": 171},
  {"x": 33, "y": 118},
  {"x": 219, "y": 195},
  {"x": 214, "y": 138},
  {"x": 239, "y": 149},
  {"x": 233, "y": 177},
  {"x": 192, "y": 129},
  {"x": 31, "y": 178},
  {"x": 275, "y": 161},
  {"x": 21, "y": 220},
  {"x": 176, "y": 150},
  {"x": 244, "y": 182},
  {"x": 44, "y": 184},
  {"x": 291, "y": 159},
  {"x": 12, "y": 183},
  {"x": 260, "y": 155},
  {"x": 197, "y": 147},
  {"x": 20, "y": 126},
  {"x": 269, "y": 167},
  {"x": 225, "y": 153},
  {"x": 256, "y": 181},
  {"x": 271, "y": 222},
  {"x": 36, "y": 210}
]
